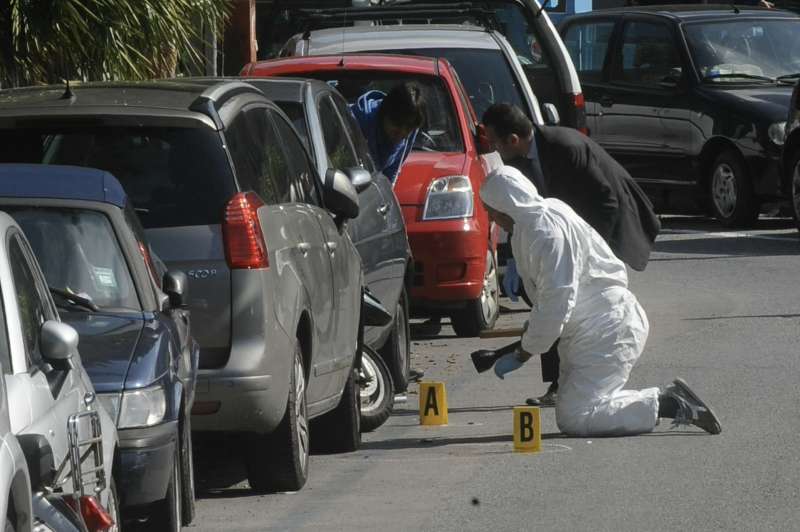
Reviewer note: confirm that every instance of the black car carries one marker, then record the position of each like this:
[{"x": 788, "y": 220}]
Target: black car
[
  {"x": 134, "y": 329},
  {"x": 333, "y": 137},
  {"x": 321, "y": 116},
  {"x": 691, "y": 100},
  {"x": 791, "y": 153}
]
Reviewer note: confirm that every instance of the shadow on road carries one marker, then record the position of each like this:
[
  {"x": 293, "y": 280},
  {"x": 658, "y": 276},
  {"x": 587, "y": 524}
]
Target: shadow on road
[
  {"x": 680, "y": 224},
  {"x": 499, "y": 408},
  {"x": 727, "y": 247},
  {"x": 422, "y": 443},
  {"x": 753, "y": 316}
]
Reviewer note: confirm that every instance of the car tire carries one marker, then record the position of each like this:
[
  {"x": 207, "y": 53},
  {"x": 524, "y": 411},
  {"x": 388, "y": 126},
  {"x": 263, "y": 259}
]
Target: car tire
[
  {"x": 732, "y": 197},
  {"x": 187, "y": 472},
  {"x": 340, "y": 430},
  {"x": 396, "y": 352},
  {"x": 376, "y": 390},
  {"x": 279, "y": 461},
  {"x": 480, "y": 314},
  {"x": 794, "y": 185},
  {"x": 169, "y": 512}
]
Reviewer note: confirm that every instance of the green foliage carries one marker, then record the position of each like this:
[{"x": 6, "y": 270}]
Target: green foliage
[{"x": 45, "y": 41}]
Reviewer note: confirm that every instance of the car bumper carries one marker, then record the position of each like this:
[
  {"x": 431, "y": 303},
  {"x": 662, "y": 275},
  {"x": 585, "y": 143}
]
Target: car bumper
[
  {"x": 449, "y": 261},
  {"x": 145, "y": 463}
]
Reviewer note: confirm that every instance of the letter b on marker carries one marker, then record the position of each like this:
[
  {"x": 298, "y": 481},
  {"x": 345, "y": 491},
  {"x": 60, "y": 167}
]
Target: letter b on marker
[
  {"x": 527, "y": 429},
  {"x": 432, "y": 403}
]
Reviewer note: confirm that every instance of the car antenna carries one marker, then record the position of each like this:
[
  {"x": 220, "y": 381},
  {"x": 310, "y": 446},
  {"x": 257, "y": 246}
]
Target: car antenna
[
  {"x": 541, "y": 9},
  {"x": 735, "y": 9},
  {"x": 68, "y": 94}
]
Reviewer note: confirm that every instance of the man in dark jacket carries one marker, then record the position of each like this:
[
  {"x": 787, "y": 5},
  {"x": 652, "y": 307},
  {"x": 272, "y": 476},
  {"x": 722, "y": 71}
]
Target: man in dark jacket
[{"x": 568, "y": 165}]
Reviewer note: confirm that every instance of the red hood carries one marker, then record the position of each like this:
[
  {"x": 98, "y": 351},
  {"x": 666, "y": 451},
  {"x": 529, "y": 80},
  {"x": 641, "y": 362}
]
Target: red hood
[{"x": 423, "y": 167}]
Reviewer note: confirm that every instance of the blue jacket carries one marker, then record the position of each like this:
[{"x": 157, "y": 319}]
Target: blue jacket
[{"x": 388, "y": 157}]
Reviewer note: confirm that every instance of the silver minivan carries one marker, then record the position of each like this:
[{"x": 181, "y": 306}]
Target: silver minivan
[
  {"x": 227, "y": 193},
  {"x": 498, "y": 35}
]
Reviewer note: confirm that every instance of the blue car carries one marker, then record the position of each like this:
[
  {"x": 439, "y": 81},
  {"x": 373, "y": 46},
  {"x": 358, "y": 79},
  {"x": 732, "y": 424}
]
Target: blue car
[{"x": 134, "y": 328}]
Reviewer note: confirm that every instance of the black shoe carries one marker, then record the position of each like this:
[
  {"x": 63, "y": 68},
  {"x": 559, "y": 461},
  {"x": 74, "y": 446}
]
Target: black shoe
[
  {"x": 548, "y": 399},
  {"x": 415, "y": 375},
  {"x": 691, "y": 409}
]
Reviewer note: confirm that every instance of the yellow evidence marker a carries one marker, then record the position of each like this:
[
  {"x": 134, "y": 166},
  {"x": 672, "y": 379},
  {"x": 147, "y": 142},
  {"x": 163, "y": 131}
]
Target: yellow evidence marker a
[
  {"x": 432, "y": 403},
  {"x": 527, "y": 429}
]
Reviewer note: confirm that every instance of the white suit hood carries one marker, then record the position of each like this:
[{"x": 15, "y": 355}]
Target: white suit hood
[{"x": 507, "y": 190}]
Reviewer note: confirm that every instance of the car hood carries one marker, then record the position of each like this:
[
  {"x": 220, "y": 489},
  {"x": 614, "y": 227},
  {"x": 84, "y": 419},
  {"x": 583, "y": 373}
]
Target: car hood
[
  {"x": 420, "y": 169},
  {"x": 107, "y": 345},
  {"x": 768, "y": 104}
]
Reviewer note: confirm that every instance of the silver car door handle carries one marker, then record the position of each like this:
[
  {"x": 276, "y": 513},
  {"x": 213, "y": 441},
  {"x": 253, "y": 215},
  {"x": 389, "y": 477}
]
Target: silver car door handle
[
  {"x": 383, "y": 209},
  {"x": 304, "y": 247},
  {"x": 331, "y": 247}
]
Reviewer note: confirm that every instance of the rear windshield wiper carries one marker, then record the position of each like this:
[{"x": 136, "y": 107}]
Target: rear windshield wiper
[
  {"x": 74, "y": 299},
  {"x": 733, "y": 75}
]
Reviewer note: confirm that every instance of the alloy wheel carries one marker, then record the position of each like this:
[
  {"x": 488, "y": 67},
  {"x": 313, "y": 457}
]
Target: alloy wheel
[
  {"x": 373, "y": 390},
  {"x": 302, "y": 414},
  {"x": 723, "y": 189},
  {"x": 489, "y": 302}
]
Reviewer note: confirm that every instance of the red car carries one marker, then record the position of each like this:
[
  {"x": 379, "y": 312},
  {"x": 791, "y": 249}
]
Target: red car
[{"x": 453, "y": 243}]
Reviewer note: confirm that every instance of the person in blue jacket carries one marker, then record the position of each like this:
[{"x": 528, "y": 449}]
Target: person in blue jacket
[{"x": 390, "y": 123}]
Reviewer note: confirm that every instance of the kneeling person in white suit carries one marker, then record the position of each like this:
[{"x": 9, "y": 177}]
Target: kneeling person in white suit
[{"x": 580, "y": 294}]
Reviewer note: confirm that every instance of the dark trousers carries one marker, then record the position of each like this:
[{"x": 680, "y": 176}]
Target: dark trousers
[{"x": 550, "y": 364}]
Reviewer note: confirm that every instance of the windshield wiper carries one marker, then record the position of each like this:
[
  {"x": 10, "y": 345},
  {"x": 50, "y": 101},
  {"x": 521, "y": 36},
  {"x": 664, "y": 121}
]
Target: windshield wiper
[
  {"x": 734, "y": 75},
  {"x": 75, "y": 299}
]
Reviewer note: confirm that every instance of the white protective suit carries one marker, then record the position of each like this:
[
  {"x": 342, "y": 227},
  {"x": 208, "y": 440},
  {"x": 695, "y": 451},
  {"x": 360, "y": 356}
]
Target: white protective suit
[{"x": 580, "y": 294}]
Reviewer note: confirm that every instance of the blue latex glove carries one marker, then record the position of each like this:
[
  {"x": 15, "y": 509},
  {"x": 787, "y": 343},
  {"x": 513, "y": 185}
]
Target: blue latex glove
[{"x": 506, "y": 364}]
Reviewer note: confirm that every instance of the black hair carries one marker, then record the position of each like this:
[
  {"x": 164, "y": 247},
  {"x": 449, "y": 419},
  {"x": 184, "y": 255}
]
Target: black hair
[
  {"x": 404, "y": 106},
  {"x": 507, "y": 119}
]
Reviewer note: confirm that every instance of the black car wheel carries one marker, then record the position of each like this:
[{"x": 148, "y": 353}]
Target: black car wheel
[
  {"x": 340, "y": 430},
  {"x": 480, "y": 314},
  {"x": 187, "y": 472},
  {"x": 795, "y": 169},
  {"x": 396, "y": 352},
  {"x": 732, "y": 197},
  {"x": 169, "y": 512},
  {"x": 279, "y": 461},
  {"x": 377, "y": 397}
]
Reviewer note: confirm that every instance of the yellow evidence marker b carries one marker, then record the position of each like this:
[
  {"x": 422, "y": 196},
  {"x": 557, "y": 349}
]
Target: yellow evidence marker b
[
  {"x": 527, "y": 429},
  {"x": 432, "y": 403}
]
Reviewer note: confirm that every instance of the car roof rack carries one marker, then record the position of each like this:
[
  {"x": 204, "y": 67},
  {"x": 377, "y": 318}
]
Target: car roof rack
[
  {"x": 210, "y": 101},
  {"x": 441, "y": 13}
]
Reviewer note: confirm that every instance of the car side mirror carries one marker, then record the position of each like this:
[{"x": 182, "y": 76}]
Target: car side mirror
[
  {"x": 39, "y": 459},
  {"x": 176, "y": 285},
  {"x": 359, "y": 177},
  {"x": 339, "y": 194},
  {"x": 58, "y": 341},
  {"x": 482, "y": 140},
  {"x": 551, "y": 116},
  {"x": 672, "y": 80}
]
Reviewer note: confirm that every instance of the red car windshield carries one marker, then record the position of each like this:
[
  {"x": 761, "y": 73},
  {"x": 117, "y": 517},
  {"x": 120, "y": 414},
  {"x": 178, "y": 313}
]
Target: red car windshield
[{"x": 440, "y": 132}]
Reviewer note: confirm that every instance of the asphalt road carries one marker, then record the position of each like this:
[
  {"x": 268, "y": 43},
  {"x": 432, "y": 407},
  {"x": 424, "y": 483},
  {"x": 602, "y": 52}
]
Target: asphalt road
[{"x": 724, "y": 310}]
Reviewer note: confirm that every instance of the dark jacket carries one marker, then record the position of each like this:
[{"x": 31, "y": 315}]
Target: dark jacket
[{"x": 583, "y": 175}]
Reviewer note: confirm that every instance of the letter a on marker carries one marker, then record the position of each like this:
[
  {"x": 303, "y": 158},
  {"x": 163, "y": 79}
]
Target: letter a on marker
[{"x": 430, "y": 403}]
